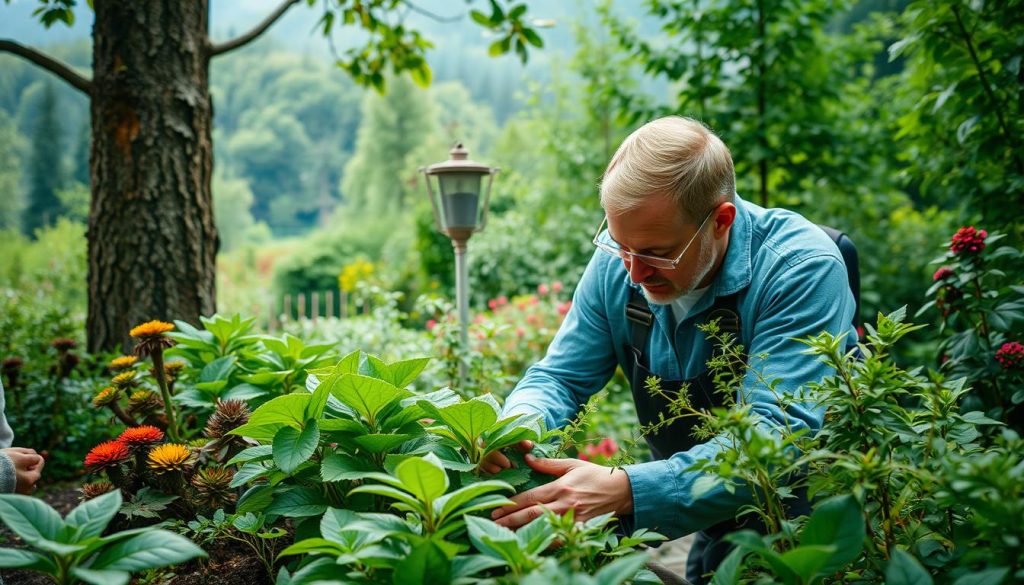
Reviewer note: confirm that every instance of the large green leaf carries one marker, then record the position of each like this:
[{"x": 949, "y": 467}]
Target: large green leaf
[
  {"x": 621, "y": 570},
  {"x": 404, "y": 372},
  {"x": 467, "y": 420},
  {"x": 92, "y": 516},
  {"x": 989, "y": 576},
  {"x": 292, "y": 447},
  {"x": 368, "y": 396},
  {"x": 30, "y": 518},
  {"x": 450, "y": 503},
  {"x": 155, "y": 548},
  {"x": 424, "y": 477},
  {"x": 807, "y": 560},
  {"x": 376, "y": 443},
  {"x": 342, "y": 467},
  {"x": 836, "y": 521},
  {"x": 219, "y": 369},
  {"x": 257, "y": 453},
  {"x": 904, "y": 569},
  {"x": 255, "y": 499},
  {"x": 12, "y": 558},
  {"x": 426, "y": 563},
  {"x": 728, "y": 572},
  {"x": 106, "y": 577},
  {"x": 388, "y": 492},
  {"x": 297, "y": 503},
  {"x": 481, "y": 529},
  {"x": 289, "y": 410}
]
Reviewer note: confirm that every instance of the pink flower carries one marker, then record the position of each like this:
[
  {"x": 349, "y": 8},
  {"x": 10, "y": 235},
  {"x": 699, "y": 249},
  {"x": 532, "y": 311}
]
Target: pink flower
[
  {"x": 543, "y": 289},
  {"x": 492, "y": 304},
  {"x": 556, "y": 286},
  {"x": 582, "y": 456},
  {"x": 431, "y": 323},
  {"x": 532, "y": 319},
  {"x": 1011, "y": 356},
  {"x": 608, "y": 447},
  {"x": 860, "y": 332},
  {"x": 502, "y": 301},
  {"x": 533, "y": 300},
  {"x": 520, "y": 331},
  {"x": 944, "y": 272},
  {"x": 967, "y": 240},
  {"x": 563, "y": 308}
]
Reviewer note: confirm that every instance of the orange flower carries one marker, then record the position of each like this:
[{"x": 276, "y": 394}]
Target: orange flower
[
  {"x": 106, "y": 455},
  {"x": 141, "y": 436},
  {"x": 169, "y": 457},
  {"x": 123, "y": 362},
  {"x": 151, "y": 329}
]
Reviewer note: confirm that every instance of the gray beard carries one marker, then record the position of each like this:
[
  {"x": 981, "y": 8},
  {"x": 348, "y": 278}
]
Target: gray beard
[{"x": 706, "y": 261}]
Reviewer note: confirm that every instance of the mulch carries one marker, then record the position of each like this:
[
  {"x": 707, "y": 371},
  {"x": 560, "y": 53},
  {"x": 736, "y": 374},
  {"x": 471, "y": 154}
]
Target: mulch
[{"x": 229, "y": 563}]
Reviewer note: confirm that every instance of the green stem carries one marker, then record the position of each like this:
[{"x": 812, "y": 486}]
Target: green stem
[{"x": 161, "y": 380}]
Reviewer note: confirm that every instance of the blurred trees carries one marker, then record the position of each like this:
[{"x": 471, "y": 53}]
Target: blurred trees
[{"x": 46, "y": 172}]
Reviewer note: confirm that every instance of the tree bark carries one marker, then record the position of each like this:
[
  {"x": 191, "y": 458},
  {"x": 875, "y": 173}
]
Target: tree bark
[{"x": 152, "y": 238}]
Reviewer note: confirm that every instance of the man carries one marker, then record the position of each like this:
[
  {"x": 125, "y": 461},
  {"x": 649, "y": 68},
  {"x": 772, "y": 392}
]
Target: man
[{"x": 679, "y": 246}]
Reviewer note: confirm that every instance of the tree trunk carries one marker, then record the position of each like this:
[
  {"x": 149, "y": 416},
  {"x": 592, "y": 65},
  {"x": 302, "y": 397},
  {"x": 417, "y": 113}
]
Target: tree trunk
[{"x": 152, "y": 239}]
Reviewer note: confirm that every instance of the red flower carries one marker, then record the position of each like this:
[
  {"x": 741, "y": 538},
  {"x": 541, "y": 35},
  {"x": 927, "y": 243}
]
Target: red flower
[
  {"x": 543, "y": 289},
  {"x": 431, "y": 323},
  {"x": 967, "y": 240},
  {"x": 520, "y": 331},
  {"x": 944, "y": 272},
  {"x": 141, "y": 436},
  {"x": 608, "y": 447},
  {"x": 492, "y": 304},
  {"x": 1011, "y": 356},
  {"x": 502, "y": 301},
  {"x": 556, "y": 286},
  {"x": 106, "y": 455},
  {"x": 564, "y": 308}
]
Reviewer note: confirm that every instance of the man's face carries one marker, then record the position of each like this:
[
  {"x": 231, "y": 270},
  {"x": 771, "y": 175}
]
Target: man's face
[{"x": 658, "y": 228}]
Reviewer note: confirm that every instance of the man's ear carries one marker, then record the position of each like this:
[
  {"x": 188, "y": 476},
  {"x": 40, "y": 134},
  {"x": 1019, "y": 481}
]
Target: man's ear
[{"x": 725, "y": 215}]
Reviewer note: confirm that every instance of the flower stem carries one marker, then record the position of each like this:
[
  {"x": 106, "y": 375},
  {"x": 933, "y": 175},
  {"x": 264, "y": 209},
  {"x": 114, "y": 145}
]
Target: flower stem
[{"x": 161, "y": 380}]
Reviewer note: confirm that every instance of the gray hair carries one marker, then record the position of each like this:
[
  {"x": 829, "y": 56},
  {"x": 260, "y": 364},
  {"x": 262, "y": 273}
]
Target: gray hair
[{"x": 674, "y": 156}]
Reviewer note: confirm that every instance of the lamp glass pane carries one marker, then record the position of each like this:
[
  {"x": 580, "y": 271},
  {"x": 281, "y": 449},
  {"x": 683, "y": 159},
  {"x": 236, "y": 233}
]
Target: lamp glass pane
[{"x": 460, "y": 199}]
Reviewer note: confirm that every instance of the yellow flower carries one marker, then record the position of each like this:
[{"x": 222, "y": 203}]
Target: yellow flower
[
  {"x": 105, "y": 396},
  {"x": 124, "y": 379},
  {"x": 151, "y": 329},
  {"x": 169, "y": 457},
  {"x": 353, "y": 273},
  {"x": 123, "y": 362}
]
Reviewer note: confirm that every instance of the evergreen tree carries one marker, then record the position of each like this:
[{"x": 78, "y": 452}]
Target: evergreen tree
[
  {"x": 381, "y": 171},
  {"x": 45, "y": 168},
  {"x": 10, "y": 173}
]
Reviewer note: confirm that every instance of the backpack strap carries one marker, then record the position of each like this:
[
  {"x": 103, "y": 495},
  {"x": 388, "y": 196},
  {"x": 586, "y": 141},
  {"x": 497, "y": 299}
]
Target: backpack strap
[{"x": 641, "y": 321}]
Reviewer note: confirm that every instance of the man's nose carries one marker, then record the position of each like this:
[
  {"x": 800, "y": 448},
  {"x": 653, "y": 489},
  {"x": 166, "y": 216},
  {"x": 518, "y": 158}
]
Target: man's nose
[{"x": 638, "y": 270}]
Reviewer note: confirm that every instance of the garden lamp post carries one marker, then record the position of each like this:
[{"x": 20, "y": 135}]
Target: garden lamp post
[{"x": 459, "y": 200}]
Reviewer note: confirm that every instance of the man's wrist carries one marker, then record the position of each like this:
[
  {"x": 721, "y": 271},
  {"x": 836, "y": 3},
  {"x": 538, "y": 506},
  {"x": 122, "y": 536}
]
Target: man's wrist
[{"x": 625, "y": 488}]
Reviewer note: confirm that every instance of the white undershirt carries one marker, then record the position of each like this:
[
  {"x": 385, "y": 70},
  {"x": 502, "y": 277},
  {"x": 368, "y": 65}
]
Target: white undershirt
[{"x": 681, "y": 306}]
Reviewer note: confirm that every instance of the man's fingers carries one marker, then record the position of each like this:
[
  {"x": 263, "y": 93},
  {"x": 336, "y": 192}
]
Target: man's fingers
[
  {"x": 525, "y": 446},
  {"x": 527, "y": 515},
  {"x": 491, "y": 468},
  {"x": 538, "y": 495},
  {"x": 556, "y": 467},
  {"x": 499, "y": 459}
]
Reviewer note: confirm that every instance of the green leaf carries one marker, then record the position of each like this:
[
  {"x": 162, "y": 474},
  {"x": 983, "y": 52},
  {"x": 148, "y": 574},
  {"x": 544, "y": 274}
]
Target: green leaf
[
  {"x": 533, "y": 38},
  {"x": 423, "y": 477},
  {"x": 990, "y": 576},
  {"x": 108, "y": 577},
  {"x": 807, "y": 560},
  {"x": 836, "y": 521},
  {"x": 368, "y": 396},
  {"x": 904, "y": 569},
  {"x": 467, "y": 420},
  {"x": 13, "y": 558},
  {"x": 255, "y": 499},
  {"x": 377, "y": 444},
  {"x": 297, "y": 503},
  {"x": 426, "y": 563},
  {"x": 154, "y": 548},
  {"x": 292, "y": 447},
  {"x": 403, "y": 373},
  {"x": 480, "y": 18},
  {"x": 92, "y": 516},
  {"x": 257, "y": 453},
  {"x": 219, "y": 369},
  {"x": 621, "y": 570},
  {"x": 450, "y": 503},
  {"x": 289, "y": 410},
  {"x": 728, "y": 572},
  {"x": 341, "y": 467},
  {"x": 30, "y": 518}
]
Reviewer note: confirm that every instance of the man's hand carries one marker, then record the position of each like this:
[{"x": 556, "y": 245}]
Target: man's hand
[
  {"x": 497, "y": 461},
  {"x": 28, "y": 465},
  {"x": 587, "y": 488}
]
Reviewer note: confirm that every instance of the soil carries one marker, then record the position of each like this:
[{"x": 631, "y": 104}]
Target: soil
[{"x": 229, "y": 563}]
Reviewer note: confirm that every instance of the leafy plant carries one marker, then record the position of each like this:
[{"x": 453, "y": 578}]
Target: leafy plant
[{"x": 73, "y": 549}]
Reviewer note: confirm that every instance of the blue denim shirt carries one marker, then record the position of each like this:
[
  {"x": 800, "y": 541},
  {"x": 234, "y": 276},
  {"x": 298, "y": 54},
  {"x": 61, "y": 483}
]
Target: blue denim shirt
[{"x": 791, "y": 283}]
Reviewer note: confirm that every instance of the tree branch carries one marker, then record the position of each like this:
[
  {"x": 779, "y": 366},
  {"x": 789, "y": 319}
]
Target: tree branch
[
  {"x": 48, "y": 63},
  {"x": 220, "y": 48}
]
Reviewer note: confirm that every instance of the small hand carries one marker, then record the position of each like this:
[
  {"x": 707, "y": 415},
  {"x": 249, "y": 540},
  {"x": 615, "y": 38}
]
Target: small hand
[
  {"x": 28, "y": 466},
  {"x": 587, "y": 488},
  {"x": 497, "y": 461}
]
